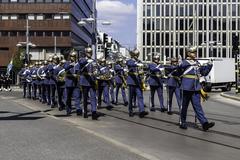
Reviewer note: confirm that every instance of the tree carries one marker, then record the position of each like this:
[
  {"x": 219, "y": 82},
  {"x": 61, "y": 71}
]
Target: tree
[{"x": 18, "y": 60}]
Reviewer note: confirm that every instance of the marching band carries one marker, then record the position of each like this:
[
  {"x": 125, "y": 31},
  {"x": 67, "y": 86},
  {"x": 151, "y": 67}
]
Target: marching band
[{"x": 87, "y": 80}]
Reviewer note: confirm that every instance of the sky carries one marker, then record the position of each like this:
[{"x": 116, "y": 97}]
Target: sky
[{"x": 123, "y": 16}]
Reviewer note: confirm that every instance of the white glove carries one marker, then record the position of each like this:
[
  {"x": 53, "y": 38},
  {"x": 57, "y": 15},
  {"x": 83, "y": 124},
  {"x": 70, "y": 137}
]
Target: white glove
[
  {"x": 89, "y": 60},
  {"x": 210, "y": 61},
  {"x": 139, "y": 64}
]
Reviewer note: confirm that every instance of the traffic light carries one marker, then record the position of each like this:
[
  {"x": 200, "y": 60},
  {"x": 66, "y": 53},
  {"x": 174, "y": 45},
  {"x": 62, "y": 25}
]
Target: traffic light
[
  {"x": 235, "y": 42},
  {"x": 105, "y": 38}
]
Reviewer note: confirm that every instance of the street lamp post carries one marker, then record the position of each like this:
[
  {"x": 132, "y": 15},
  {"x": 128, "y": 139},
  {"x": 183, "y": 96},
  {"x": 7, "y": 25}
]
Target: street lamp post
[
  {"x": 93, "y": 20},
  {"x": 27, "y": 43}
]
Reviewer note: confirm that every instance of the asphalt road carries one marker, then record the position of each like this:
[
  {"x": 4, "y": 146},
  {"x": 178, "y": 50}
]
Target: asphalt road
[{"x": 30, "y": 130}]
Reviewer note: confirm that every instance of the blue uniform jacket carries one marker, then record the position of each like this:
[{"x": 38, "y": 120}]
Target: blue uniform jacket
[
  {"x": 22, "y": 74},
  {"x": 194, "y": 69},
  {"x": 51, "y": 74},
  {"x": 173, "y": 76},
  {"x": 119, "y": 74},
  {"x": 86, "y": 70},
  {"x": 133, "y": 77},
  {"x": 104, "y": 70},
  {"x": 45, "y": 71},
  {"x": 34, "y": 75},
  {"x": 155, "y": 76},
  {"x": 70, "y": 81}
]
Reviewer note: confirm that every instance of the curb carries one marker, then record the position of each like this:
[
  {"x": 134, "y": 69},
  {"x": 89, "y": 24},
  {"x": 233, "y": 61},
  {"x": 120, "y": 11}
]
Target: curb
[{"x": 230, "y": 97}]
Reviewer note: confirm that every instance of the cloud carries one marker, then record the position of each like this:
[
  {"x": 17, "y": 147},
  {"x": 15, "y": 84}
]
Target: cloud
[
  {"x": 115, "y": 7},
  {"x": 122, "y": 15}
]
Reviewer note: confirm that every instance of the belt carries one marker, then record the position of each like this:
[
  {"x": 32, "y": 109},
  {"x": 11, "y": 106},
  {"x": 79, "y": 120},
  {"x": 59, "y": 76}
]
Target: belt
[
  {"x": 190, "y": 76},
  {"x": 133, "y": 73}
]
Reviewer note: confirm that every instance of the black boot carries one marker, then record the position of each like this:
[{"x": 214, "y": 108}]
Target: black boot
[
  {"x": 143, "y": 114},
  {"x": 95, "y": 115},
  {"x": 110, "y": 107},
  {"x": 183, "y": 126},
  {"x": 207, "y": 125},
  {"x": 79, "y": 112},
  {"x": 85, "y": 115},
  {"x": 131, "y": 114},
  {"x": 152, "y": 109}
]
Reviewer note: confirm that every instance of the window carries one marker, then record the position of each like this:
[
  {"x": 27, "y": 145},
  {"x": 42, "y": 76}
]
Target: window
[
  {"x": 22, "y": 1},
  {"x": 4, "y": 33},
  {"x": 13, "y": 33},
  {"x": 157, "y": 24},
  {"x": 148, "y": 10},
  {"x": 57, "y": 17},
  {"x": 148, "y": 39},
  {"x": 66, "y": 16},
  {"x": 40, "y": 1},
  {"x": 5, "y": 1},
  {"x": 157, "y": 38},
  {"x": 39, "y": 17},
  {"x": 65, "y": 33},
  {"x": 48, "y": 16},
  {"x": 158, "y": 10},
  {"x": 31, "y": 1},
  {"x": 31, "y": 17},
  {"x": 22, "y": 33},
  {"x": 13, "y": 17},
  {"x": 21, "y": 16},
  {"x": 49, "y": 34},
  {"x": 4, "y": 17},
  {"x": 13, "y": 1},
  {"x": 57, "y": 1},
  {"x": 39, "y": 34},
  {"x": 58, "y": 34},
  {"x": 31, "y": 33},
  {"x": 66, "y": 1}
]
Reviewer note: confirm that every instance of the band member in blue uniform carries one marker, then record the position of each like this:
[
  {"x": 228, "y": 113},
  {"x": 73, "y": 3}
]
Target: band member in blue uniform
[
  {"x": 134, "y": 82},
  {"x": 71, "y": 83},
  {"x": 87, "y": 70},
  {"x": 22, "y": 74},
  {"x": 39, "y": 81},
  {"x": 111, "y": 82},
  {"x": 1, "y": 81},
  {"x": 103, "y": 83},
  {"x": 34, "y": 81},
  {"x": 29, "y": 81},
  {"x": 173, "y": 84},
  {"x": 42, "y": 74},
  {"x": 60, "y": 82},
  {"x": 120, "y": 81},
  {"x": 191, "y": 70},
  {"x": 155, "y": 82},
  {"x": 52, "y": 81}
]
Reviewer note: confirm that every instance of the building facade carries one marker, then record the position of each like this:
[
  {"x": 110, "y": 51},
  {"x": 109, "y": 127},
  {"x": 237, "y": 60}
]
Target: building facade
[
  {"x": 52, "y": 24},
  {"x": 168, "y": 27}
]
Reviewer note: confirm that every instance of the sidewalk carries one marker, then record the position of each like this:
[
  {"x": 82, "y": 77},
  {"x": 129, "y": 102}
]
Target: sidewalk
[{"x": 232, "y": 95}]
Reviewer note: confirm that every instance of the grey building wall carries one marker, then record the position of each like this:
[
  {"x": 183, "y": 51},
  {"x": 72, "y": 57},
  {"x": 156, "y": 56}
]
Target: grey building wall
[{"x": 168, "y": 27}]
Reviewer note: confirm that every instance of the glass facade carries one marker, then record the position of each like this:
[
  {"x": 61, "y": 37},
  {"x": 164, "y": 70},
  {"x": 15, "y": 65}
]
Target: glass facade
[{"x": 168, "y": 27}]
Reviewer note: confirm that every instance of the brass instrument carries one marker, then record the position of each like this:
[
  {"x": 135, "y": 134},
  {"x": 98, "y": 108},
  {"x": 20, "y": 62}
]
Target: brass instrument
[
  {"x": 104, "y": 74},
  {"x": 140, "y": 71},
  {"x": 61, "y": 75}
]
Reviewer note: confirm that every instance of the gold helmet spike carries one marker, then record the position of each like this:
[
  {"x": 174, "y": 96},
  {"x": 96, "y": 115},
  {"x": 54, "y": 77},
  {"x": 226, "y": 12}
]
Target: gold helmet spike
[
  {"x": 135, "y": 53},
  {"x": 156, "y": 58},
  {"x": 192, "y": 49}
]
